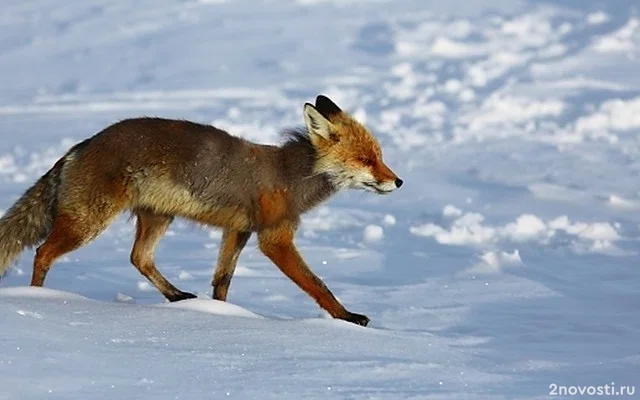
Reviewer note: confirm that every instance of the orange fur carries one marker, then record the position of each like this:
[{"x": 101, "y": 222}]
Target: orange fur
[
  {"x": 277, "y": 244},
  {"x": 63, "y": 238},
  {"x": 272, "y": 206}
]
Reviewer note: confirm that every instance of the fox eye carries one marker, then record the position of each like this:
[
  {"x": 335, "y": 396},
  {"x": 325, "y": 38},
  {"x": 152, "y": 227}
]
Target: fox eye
[{"x": 366, "y": 161}]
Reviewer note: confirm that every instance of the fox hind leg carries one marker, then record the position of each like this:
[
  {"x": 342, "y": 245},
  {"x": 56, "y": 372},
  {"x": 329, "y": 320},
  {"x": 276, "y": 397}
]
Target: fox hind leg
[
  {"x": 232, "y": 244},
  {"x": 150, "y": 229},
  {"x": 67, "y": 234},
  {"x": 73, "y": 225},
  {"x": 85, "y": 205}
]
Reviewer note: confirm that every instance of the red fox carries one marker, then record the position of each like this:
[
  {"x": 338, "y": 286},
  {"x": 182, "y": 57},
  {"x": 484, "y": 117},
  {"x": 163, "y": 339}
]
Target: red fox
[{"x": 160, "y": 168}]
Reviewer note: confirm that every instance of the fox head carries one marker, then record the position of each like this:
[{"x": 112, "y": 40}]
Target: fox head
[{"x": 347, "y": 152}]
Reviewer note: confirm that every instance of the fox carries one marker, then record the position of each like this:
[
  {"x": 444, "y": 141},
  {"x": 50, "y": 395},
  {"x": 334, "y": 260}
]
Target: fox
[{"x": 160, "y": 169}]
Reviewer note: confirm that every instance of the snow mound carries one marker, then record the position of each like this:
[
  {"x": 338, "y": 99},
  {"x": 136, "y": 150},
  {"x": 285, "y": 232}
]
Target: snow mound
[
  {"x": 39, "y": 292},
  {"x": 211, "y": 307}
]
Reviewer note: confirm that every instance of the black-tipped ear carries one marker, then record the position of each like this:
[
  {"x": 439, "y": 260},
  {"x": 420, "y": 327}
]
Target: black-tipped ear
[
  {"x": 316, "y": 123},
  {"x": 326, "y": 107}
]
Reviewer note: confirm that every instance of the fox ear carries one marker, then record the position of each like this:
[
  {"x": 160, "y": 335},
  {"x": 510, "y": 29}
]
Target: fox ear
[
  {"x": 317, "y": 124},
  {"x": 326, "y": 107}
]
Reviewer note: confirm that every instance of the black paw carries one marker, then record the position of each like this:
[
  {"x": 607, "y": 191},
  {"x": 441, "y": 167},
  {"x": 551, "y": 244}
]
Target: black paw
[
  {"x": 182, "y": 296},
  {"x": 359, "y": 319}
]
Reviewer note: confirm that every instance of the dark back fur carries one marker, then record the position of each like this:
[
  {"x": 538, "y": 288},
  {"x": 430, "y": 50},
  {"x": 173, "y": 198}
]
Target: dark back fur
[{"x": 189, "y": 169}]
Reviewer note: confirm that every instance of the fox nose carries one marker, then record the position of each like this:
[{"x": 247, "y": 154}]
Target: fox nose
[{"x": 399, "y": 182}]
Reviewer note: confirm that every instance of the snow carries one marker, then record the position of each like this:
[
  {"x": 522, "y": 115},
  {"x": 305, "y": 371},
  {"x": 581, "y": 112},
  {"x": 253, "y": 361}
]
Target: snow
[
  {"x": 451, "y": 211},
  {"x": 145, "y": 286},
  {"x": 612, "y": 115},
  {"x": 373, "y": 233},
  {"x": 621, "y": 202},
  {"x": 597, "y": 18},
  {"x": 507, "y": 262},
  {"x": 212, "y": 307},
  {"x": 496, "y": 261},
  {"x": 185, "y": 276},
  {"x": 389, "y": 220},
  {"x": 469, "y": 229},
  {"x": 624, "y": 39},
  {"x": 123, "y": 298}
]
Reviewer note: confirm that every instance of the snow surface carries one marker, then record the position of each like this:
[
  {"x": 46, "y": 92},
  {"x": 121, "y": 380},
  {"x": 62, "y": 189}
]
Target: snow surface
[{"x": 507, "y": 262}]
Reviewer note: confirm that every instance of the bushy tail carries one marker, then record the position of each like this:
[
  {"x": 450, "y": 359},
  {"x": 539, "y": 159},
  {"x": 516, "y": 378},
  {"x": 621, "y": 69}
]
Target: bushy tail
[{"x": 28, "y": 221}]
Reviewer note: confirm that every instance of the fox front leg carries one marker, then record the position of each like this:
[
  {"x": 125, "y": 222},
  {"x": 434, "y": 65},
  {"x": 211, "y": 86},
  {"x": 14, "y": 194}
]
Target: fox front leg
[
  {"x": 277, "y": 244},
  {"x": 232, "y": 244}
]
